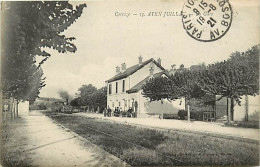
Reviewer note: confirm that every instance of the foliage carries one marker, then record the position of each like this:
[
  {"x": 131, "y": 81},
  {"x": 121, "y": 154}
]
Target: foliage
[
  {"x": 159, "y": 88},
  {"x": 185, "y": 81},
  {"x": 233, "y": 78},
  {"x": 181, "y": 84},
  {"x": 27, "y": 29},
  {"x": 99, "y": 98},
  {"x": 74, "y": 102},
  {"x": 85, "y": 92},
  {"x": 39, "y": 24},
  {"x": 90, "y": 96},
  {"x": 182, "y": 114}
]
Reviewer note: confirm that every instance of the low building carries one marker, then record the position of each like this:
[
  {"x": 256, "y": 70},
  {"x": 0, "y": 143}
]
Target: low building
[
  {"x": 125, "y": 89},
  {"x": 248, "y": 110}
]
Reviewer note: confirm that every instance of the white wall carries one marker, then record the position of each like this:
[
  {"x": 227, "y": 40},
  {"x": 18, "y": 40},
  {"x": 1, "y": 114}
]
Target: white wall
[
  {"x": 120, "y": 85},
  {"x": 23, "y": 108},
  {"x": 130, "y": 81},
  {"x": 144, "y": 72},
  {"x": 155, "y": 107},
  {"x": 122, "y": 98},
  {"x": 253, "y": 108},
  {"x": 239, "y": 111}
]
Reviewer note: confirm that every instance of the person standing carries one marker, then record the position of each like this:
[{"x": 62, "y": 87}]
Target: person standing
[{"x": 105, "y": 112}]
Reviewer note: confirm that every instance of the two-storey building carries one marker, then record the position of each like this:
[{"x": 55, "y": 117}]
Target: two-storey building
[{"x": 125, "y": 88}]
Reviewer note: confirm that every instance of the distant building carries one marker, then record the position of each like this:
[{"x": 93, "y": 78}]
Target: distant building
[
  {"x": 125, "y": 88},
  {"x": 249, "y": 108}
]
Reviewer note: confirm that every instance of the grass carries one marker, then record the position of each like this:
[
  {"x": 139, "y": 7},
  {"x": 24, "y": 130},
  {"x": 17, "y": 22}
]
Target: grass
[
  {"x": 12, "y": 140},
  {"x": 193, "y": 149},
  {"x": 244, "y": 124}
]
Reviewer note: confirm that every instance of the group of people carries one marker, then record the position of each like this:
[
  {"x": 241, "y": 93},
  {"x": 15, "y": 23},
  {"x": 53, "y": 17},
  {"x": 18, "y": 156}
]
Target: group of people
[
  {"x": 118, "y": 112},
  {"x": 107, "y": 112}
]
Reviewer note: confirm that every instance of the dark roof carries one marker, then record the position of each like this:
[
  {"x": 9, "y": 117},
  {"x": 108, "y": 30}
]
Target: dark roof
[
  {"x": 133, "y": 69},
  {"x": 138, "y": 86}
]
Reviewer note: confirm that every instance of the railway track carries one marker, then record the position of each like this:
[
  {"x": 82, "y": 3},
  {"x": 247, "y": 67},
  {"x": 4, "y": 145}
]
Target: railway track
[{"x": 174, "y": 161}]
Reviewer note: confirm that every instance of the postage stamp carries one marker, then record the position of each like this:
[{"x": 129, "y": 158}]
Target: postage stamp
[{"x": 207, "y": 21}]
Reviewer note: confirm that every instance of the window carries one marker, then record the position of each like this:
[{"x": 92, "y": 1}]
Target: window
[
  {"x": 123, "y": 86},
  {"x": 110, "y": 88},
  {"x": 116, "y": 87},
  {"x": 119, "y": 104}
]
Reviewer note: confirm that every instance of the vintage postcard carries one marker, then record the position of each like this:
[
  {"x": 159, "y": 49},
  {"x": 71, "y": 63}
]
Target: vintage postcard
[{"x": 130, "y": 83}]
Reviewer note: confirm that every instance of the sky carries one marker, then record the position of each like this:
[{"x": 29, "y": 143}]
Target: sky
[{"x": 105, "y": 40}]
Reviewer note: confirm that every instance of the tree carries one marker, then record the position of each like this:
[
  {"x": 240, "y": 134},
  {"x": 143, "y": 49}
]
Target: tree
[
  {"x": 159, "y": 88},
  {"x": 185, "y": 82},
  {"x": 36, "y": 83},
  {"x": 233, "y": 78},
  {"x": 182, "y": 84},
  {"x": 85, "y": 92},
  {"x": 27, "y": 29},
  {"x": 99, "y": 99},
  {"x": 74, "y": 102},
  {"x": 36, "y": 25},
  {"x": 90, "y": 96}
]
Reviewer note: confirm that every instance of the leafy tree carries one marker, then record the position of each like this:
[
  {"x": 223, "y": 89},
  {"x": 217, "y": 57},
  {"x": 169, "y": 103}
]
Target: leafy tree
[
  {"x": 158, "y": 89},
  {"x": 185, "y": 81},
  {"x": 36, "y": 83},
  {"x": 74, "y": 102},
  {"x": 101, "y": 98},
  {"x": 36, "y": 25},
  {"x": 90, "y": 96},
  {"x": 182, "y": 84},
  {"x": 27, "y": 28},
  {"x": 85, "y": 92},
  {"x": 233, "y": 78}
]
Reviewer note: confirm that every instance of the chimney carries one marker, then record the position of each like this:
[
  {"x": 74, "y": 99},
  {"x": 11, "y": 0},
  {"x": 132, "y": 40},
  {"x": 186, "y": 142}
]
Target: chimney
[
  {"x": 117, "y": 70},
  {"x": 140, "y": 59},
  {"x": 123, "y": 66},
  {"x": 172, "y": 70},
  {"x": 151, "y": 73},
  {"x": 159, "y": 61}
]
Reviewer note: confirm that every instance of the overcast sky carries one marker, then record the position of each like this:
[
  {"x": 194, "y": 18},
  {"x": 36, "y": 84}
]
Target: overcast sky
[{"x": 105, "y": 41}]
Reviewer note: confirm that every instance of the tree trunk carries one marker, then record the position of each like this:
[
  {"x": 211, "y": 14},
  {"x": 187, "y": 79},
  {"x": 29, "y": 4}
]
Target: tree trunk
[
  {"x": 228, "y": 115},
  {"x": 188, "y": 112},
  {"x": 215, "y": 111},
  {"x": 13, "y": 109},
  {"x": 187, "y": 108},
  {"x": 232, "y": 109},
  {"x": 186, "y": 104},
  {"x": 246, "y": 108},
  {"x": 1, "y": 104},
  {"x": 17, "y": 102},
  {"x": 162, "y": 108}
]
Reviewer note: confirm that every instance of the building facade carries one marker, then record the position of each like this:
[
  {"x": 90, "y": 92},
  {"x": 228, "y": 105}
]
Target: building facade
[{"x": 125, "y": 89}]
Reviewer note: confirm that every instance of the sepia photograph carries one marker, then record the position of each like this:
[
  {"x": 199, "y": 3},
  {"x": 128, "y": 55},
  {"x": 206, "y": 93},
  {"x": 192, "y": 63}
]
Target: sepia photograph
[{"x": 112, "y": 83}]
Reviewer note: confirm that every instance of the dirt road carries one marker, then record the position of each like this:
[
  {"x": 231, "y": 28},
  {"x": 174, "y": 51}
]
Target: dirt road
[{"x": 39, "y": 141}]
